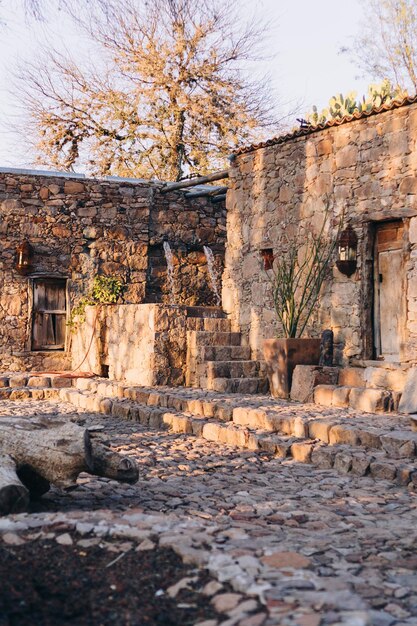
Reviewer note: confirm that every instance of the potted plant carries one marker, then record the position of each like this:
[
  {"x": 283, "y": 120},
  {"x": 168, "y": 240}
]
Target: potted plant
[{"x": 296, "y": 276}]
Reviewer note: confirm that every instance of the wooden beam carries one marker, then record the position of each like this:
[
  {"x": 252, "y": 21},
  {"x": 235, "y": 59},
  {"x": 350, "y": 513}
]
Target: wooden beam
[
  {"x": 219, "y": 198},
  {"x": 193, "y": 182},
  {"x": 203, "y": 193}
]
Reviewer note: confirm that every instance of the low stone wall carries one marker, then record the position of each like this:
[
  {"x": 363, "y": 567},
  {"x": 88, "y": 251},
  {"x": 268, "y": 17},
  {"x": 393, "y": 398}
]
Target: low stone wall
[
  {"x": 143, "y": 344},
  {"x": 35, "y": 361}
]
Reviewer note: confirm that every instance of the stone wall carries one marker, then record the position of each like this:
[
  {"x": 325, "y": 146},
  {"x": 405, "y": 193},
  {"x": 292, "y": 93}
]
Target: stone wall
[
  {"x": 365, "y": 169},
  {"x": 81, "y": 227},
  {"x": 187, "y": 225},
  {"x": 143, "y": 344}
]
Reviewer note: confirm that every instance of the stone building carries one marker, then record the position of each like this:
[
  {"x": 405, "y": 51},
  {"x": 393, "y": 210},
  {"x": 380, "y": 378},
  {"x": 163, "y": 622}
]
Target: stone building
[
  {"x": 364, "y": 168},
  {"x": 74, "y": 228}
]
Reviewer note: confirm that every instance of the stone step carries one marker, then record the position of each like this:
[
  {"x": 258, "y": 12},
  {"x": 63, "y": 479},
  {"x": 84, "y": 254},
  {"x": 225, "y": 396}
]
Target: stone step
[
  {"x": 213, "y": 361},
  {"x": 352, "y": 377},
  {"x": 19, "y": 380},
  {"x": 30, "y": 393},
  {"x": 206, "y": 312},
  {"x": 209, "y": 324},
  {"x": 229, "y": 369},
  {"x": 359, "y": 462},
  {"x": 385, "y": 449},
  {"x": 223, "y": 353},
  {"x": 206, "y": 338},
  {"x": 381, "y": 378},
  {"x": 247, "y": 385},
  {"x": 347, "y": 456},
  {"x": 392, "y": 434},
  {"x": 374, "y": 377},
  {"x": 197, "y": 401},
  {"x": 364, "y": 399}
]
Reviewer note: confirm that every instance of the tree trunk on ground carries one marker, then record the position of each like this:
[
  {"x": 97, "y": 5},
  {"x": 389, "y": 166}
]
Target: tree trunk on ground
[
  {"x": 14, "y": 497},
  {"x": 35, "y": 453}
]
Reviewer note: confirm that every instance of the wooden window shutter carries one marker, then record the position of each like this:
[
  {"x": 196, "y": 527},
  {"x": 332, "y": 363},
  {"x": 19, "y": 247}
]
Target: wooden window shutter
[{"x": 49, "y": 314}]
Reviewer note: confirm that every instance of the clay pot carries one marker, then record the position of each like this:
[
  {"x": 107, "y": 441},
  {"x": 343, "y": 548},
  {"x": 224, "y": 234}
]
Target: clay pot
[{"x": 282, "y": 355}]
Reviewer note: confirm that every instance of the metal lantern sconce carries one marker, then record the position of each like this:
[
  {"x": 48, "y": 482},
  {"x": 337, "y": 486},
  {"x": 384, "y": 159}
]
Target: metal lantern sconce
[
  {"x": 347, "y": 252},
  {"x": 24, "y": 256},
  {"x": 268, "y": 258}
]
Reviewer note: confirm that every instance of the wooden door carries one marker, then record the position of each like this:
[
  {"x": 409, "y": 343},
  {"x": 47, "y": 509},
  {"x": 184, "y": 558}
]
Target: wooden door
[
  {"x": 389, "y": 315},
  {"x": 49, "y": 314}
]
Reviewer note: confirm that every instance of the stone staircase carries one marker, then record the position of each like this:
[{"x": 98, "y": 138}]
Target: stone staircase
[
  {"x": 216, "y": 360},
  {"x": 369, "y": 386},
  {"x": 381, "y": 446},
  {"x": 17, "y": 386}
]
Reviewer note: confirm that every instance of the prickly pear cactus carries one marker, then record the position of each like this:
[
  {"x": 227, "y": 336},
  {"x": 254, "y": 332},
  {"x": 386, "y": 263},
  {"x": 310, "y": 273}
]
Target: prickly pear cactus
[{"x": 341, "y": 106}]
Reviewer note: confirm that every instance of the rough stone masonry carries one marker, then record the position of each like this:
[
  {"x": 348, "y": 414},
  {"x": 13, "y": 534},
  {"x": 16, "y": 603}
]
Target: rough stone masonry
[
  {"x": 364, "y": 169},
  {"x": 80, "y": 227}
]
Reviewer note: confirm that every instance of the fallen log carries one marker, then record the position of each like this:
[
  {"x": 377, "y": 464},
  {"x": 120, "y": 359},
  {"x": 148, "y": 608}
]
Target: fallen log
[
  {"x": 14, "y": 497},
  {"x": 35, "y": 453}
]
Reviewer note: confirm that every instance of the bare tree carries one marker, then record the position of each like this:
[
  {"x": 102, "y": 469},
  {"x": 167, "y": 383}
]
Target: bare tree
[
  {"x": 42, "y": 10},
  {"x": 39, "y": 9},
  {"x": 168, "y": 95},
  {"x": 34, "y": 8},
  {"x": 387, "y": 44}
]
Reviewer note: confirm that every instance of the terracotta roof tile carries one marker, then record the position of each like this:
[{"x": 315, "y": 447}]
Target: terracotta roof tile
[{"x": 301, "y": 132}]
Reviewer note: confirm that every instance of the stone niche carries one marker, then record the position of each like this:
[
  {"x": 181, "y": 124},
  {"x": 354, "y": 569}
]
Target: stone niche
[{"x": 191, "y": 283}]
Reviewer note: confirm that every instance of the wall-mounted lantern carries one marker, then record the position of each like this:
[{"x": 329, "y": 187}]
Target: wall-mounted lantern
[
  {"x": 268, "y": 258},
  {"x": 347, "y": 251},
  {"x": 24, "y": 256}
]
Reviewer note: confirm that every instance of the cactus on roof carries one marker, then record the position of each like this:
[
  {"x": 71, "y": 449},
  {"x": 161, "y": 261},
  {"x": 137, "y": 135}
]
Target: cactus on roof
[{"x": 341, "y": 106}]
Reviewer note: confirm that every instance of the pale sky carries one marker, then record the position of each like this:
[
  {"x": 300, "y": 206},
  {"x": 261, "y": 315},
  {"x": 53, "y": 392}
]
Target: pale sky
[{"x": 306, "y": 67}]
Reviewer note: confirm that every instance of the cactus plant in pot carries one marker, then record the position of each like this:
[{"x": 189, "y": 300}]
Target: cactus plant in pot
[{"x": 301, "y": 265}]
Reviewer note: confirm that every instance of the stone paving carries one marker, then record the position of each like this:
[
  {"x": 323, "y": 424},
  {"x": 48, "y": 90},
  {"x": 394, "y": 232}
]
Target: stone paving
[
  {"x": 299, "y": 546},
  {"x": 383, "y": 446}
]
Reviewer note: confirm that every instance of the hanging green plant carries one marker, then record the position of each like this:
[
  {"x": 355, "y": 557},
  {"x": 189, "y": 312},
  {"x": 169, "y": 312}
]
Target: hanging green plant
[{"x": 104, "y": 290}]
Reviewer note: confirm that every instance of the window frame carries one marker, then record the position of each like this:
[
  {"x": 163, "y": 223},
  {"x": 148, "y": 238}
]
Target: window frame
[{"x": 32, "y": 346}]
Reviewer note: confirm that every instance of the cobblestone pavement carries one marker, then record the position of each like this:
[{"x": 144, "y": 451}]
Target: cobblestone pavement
[{"x": 300, "y": 546}]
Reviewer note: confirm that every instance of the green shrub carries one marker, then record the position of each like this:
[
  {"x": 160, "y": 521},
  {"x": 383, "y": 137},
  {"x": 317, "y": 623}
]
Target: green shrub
[{"x": 104, "y": 290}]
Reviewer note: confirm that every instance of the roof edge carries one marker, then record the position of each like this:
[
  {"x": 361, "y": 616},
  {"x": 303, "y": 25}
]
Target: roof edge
[{"x": 303, "y": 132}]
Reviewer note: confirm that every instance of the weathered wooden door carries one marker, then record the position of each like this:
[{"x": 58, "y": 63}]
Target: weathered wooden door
[
  {"x": 389, "y": 315},
  {"x": 49, "y": 314}
]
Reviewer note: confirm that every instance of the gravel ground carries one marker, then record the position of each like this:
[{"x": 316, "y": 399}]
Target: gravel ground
[{"x": 287, "y": 543}]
